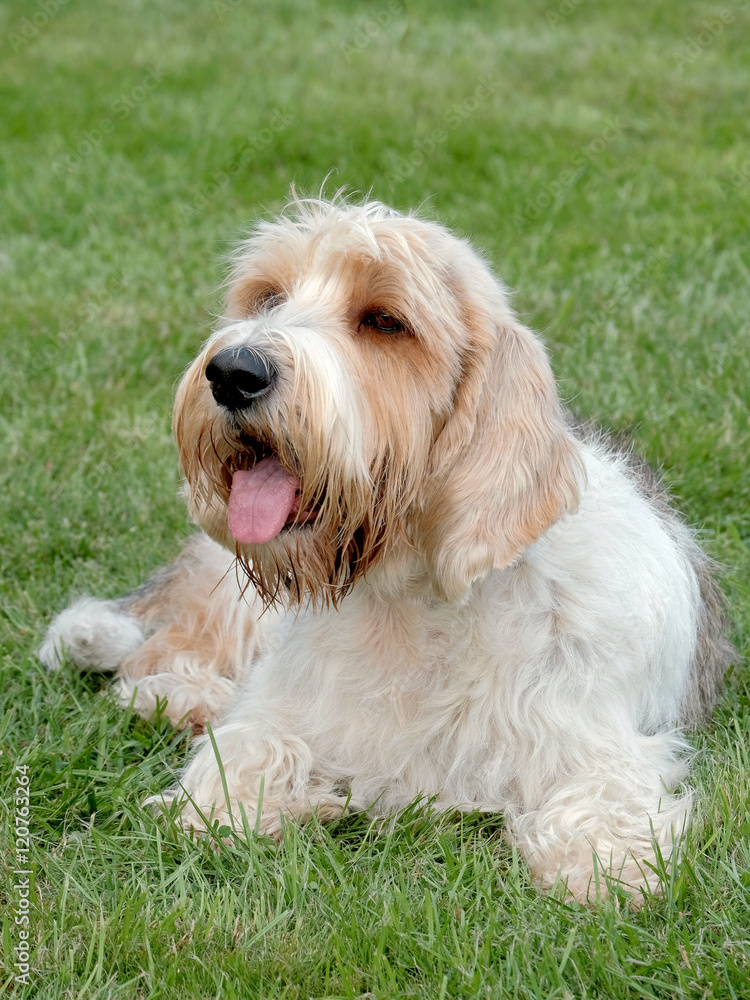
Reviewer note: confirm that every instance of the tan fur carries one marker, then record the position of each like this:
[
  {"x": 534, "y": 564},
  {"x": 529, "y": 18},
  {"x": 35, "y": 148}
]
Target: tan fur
[
  {"x": 465, "y": 353},
  {"x": 195, "y": 640},
  {"x": 475, "y": 603},
  {"x": 505, "y": 467}
]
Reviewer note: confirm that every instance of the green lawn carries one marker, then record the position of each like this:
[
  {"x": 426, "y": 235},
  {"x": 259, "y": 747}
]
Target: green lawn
[{"x": 598, "y": 151}]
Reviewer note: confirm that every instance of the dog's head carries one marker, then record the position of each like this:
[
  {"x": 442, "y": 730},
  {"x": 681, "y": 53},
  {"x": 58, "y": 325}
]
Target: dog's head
[{"x": 370, "y": 388}]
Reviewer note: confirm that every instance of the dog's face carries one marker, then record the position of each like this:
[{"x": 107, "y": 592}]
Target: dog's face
[{"x": 369, "y": 388}]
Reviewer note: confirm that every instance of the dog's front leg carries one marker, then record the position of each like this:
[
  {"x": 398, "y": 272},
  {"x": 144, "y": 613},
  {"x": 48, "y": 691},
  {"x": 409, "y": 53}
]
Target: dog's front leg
[
  {"x": 250, "y": 775},
  {"x": 615, "y": 815}
]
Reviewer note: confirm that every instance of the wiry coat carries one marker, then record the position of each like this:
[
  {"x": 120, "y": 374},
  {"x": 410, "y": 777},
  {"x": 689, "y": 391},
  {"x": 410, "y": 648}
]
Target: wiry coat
[{"x": 487, "y": 604}]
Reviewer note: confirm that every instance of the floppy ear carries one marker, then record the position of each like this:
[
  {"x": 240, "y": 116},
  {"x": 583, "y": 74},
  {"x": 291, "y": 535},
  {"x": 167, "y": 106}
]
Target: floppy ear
[{"x": 504, "y": 467}]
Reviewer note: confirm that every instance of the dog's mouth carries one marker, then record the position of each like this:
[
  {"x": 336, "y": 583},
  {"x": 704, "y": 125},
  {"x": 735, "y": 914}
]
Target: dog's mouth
[{"x": 264, "y": 500}]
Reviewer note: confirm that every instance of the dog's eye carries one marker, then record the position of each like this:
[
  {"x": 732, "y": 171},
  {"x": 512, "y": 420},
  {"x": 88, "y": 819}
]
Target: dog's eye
[
  {"x": 267, "y": 299},
  {"x": 383, "y": 322}
]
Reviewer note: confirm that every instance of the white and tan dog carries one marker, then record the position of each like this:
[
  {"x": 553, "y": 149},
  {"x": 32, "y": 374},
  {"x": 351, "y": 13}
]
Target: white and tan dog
[{"x": 467, "y": 596}]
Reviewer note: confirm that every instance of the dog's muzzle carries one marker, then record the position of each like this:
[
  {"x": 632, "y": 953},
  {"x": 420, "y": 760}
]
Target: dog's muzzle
[{"x": 238, "y": 375}]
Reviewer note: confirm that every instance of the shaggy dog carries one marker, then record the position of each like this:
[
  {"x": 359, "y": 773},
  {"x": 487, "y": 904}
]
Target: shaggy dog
[{"x": 417, "y": 576}]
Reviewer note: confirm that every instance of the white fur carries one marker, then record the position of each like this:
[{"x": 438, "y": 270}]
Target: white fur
[
  {"x": 293, "y": 344},
  {"x": 550, "y": 691},
  {"x": 95, "y": 634},
  {"x": 538, "y": 698}
]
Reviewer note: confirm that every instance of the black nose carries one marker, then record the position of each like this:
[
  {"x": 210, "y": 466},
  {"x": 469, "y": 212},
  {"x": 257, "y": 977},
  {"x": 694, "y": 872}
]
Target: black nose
[{"x": 237, "y": 375}]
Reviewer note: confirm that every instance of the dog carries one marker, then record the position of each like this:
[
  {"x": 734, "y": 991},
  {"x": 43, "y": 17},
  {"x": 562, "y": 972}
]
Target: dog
[{"x": 418, "y": 575}]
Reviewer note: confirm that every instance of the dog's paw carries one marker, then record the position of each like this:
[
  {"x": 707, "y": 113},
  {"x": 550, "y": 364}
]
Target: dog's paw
[
  {"x": 241, "y": 782},
  {"x": 94, "y": 634},
  {"x": 590, "y": 851},
  {"x": 222, "y": 819},
  {"x": 215, "y": 791},
  {"x": 593, "y": 880}
]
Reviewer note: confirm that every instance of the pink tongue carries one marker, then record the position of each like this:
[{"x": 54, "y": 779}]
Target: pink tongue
[{"x": 261, "y": 502}]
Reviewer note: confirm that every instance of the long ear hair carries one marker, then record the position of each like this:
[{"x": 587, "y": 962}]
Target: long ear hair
[{"x": 505, "y": 466}]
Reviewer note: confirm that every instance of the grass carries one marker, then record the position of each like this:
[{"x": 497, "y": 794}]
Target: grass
[{"x": 603, "y": 167}]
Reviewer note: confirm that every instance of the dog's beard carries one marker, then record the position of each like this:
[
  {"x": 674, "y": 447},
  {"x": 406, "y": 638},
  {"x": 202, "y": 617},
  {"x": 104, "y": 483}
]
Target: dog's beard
[
  {"x": 299, "y": 534},
  {"x": 322, "y": 548},
  {"x": 303, "y": 564}
]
